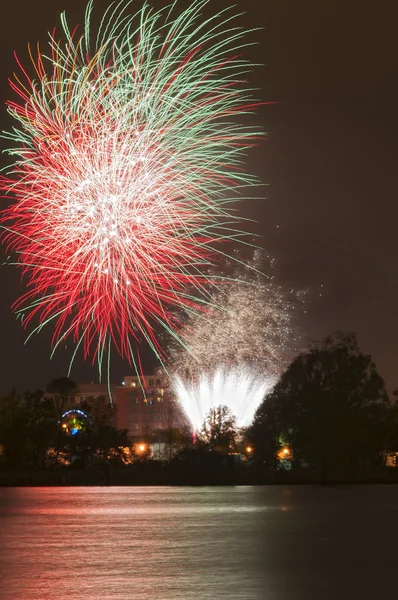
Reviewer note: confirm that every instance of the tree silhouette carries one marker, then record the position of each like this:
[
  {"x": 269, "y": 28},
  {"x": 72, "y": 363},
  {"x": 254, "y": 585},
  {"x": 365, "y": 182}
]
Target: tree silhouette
[
  {"x": 330, "y": 407},
  {"x": 63, "y": 391},
  {"x": 28, "y": 425},
  {"x": 219, "y": 431}
]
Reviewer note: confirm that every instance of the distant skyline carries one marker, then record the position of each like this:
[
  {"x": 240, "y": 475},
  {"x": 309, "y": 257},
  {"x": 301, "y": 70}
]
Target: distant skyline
[{"x": 330, "y": 213}]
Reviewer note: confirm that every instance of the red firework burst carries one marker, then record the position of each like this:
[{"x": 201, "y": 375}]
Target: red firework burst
[{"x": 126, "y": 161}]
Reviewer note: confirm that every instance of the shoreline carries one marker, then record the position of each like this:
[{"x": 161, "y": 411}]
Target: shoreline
[{"x": 163, "y": 476}]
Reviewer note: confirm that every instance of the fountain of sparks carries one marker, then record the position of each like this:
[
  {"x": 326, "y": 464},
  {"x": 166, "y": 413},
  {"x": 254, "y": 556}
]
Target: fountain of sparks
[{"x": 236, "y": 350}]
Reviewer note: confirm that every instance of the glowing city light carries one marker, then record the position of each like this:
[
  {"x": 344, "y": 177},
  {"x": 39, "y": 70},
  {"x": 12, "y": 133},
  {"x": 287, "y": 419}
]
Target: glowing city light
[
  {"x": 285, "y": 453},
  {"x": 74, "y": 421}
]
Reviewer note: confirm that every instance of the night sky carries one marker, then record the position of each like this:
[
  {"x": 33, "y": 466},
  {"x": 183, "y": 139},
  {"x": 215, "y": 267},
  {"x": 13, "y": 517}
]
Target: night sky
[{"x": 330, "y": 214}]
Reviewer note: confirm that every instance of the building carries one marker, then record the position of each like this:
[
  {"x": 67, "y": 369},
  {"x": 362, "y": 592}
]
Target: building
[
  {"x": 144, "y": 404},
  {"x": 86, "y": 391},
  {"x": 95, "y": 390}
]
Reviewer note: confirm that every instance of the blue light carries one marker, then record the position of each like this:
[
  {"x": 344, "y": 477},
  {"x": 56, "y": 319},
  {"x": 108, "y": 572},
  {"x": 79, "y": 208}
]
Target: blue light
[
  {"x": 74, "y": 431},
  {"x": 74, "y": 410}
]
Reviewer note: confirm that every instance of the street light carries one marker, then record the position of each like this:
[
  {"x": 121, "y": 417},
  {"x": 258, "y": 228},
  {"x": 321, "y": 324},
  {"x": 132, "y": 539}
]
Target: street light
[{"x": 285, "y": 453}]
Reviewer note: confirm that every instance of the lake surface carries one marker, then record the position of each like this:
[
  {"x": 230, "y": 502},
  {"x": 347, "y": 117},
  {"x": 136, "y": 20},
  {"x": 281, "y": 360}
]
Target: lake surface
[{"x": 273, "y": 543}]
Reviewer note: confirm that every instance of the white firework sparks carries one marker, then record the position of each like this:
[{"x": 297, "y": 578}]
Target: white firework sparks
[
  {"x": 239, "y": 388},
  {"x": 236, "y": 350}
]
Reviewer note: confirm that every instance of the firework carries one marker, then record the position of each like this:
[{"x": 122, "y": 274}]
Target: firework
[
  {"x": 239, "y": 388},
  {"x": 235, "y": 351},
  {"x": 126, "y": 155}
]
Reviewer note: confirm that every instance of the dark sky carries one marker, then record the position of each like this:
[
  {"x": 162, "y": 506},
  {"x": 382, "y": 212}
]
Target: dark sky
[{"x": 330, "y": 217}]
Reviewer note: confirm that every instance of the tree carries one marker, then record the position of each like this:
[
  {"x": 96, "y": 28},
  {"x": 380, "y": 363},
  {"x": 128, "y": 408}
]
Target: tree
[
  {"x": 28, "y": 426},
  {"x": 42, "y": 425},
  {"x": 13, "y": 428},
  {"x": 100, "y": 411},
  {"x": 392, "y": 437},
  {"x": 169, "y": 423},
  {"x": 63, "y": 391},
  {"x": 219, "y": 431},
  {"x": 330, "y": 407},
  {"x": 175, "y": 430},
  {"x": 107, "y": 444}
]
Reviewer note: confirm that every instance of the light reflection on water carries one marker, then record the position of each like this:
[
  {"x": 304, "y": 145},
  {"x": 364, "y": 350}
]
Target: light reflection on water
[
  {"x": 122, "y": 543},
  {"x": 247, "y": 543}
]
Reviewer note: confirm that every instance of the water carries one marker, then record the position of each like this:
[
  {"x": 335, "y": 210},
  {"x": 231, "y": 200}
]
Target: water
[{"x": 273, "y": 543}]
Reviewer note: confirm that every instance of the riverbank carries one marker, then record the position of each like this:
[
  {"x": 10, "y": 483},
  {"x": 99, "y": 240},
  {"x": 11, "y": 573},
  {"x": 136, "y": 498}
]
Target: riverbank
[{"x": 164, "y": 474}]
